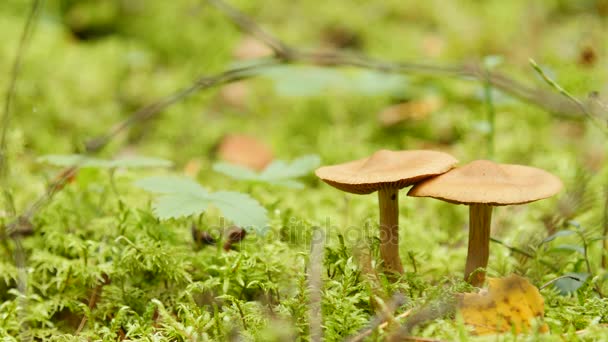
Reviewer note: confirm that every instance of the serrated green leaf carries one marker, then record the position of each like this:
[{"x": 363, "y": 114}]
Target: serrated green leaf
[
  {"x": 241, "y": 209},
  {"x": 171, "y": 185},
  {"x": 182, "y": 197},
  {"x": 277, "y": 173},
  {"x": 179, "y": 205},
  {"x": 297, "y": 168},
  {"x": 293, "y": 184},
  {"x": 235, "y": 171}
]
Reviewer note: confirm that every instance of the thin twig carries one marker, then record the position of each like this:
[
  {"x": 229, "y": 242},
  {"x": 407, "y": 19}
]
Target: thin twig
[
  {"x": 558, "y": 278},
  {"x": 382, "y": 325},
  {"x": 582, "y": 107},
  {"x": 96, "y": 144},
  {"x": 92, "y": 303},
  {"x": 289, "y": 54},
  {"x": 246, "y": 24},
  {"x": 423, "y": 315}
]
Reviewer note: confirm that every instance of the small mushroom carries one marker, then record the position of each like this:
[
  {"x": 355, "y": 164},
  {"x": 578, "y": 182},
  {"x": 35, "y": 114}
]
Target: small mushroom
[
  {"x": 234, "y": 235},
  {"x": 481, "y": 185},
  {"x": 387, "y": 172}
]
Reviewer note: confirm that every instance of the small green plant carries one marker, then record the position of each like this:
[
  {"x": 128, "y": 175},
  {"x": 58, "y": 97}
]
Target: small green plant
[
  {"x": 182, "y": 197},
  {"x": 277, "y": 173},
  {"x": 572, "y": 281}
]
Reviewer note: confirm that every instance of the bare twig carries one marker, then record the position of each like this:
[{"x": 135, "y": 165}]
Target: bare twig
[
  {"x": 96, "y": 144},
  {"x": 582, "y": 107},
  {"x": 423, "y": 315},
  {"x": 93, "y": 301},
  {"x": 556, "y": 279},
  {"x": 383, "y": 323},
  {"x": 246, "y": 24},
  {"x": 547, "y": 100}
]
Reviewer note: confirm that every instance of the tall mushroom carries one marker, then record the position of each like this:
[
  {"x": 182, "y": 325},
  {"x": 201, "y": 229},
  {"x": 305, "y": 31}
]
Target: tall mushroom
[
  {"x": 481, "y": 185},
  {"x": 387, "y": 172}
]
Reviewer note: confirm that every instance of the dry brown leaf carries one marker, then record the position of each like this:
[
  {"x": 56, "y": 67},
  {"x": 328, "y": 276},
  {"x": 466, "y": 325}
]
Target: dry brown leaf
[
  {"x": 411, "y": 110},
  {"x": 433, "y": 45},
  {"x": 192, "y": 167},
  {"x": 235, "y": 94},
  {"x": 244, "y": 150},
  {"x": 251, "y": 48},
  {"x": 509, "y": 303}
]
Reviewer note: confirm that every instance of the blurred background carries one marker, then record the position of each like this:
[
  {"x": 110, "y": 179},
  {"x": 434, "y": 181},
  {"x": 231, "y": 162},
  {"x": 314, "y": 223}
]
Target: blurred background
[{"x": 89, "y": 64}]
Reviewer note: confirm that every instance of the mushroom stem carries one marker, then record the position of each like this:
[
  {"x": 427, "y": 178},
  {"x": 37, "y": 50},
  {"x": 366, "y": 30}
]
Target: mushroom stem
[
  {"x": 480, "y": 218},
  {"x": 388, "y": 199}
]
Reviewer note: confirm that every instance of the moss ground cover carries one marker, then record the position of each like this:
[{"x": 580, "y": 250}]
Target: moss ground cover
[{"x": 100, "y": 265}]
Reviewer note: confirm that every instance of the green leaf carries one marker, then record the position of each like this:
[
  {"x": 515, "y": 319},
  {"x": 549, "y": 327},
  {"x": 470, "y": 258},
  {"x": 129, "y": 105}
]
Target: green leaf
[
  {"x": 297, "y": 168},
  {"x": 598, "y": 238},
  {"x": 288, "y": 184},
  {"x": 241, "y": 209},
  {"x": 278, "y": 172},
  {"x": 179, "y": 205},
  {"x": 568, "y": 248},
  {"x": 171, "y": 185},
  {"x": 182, "y": 197},
  {"x": 569, "y": 285},
  {"x": 235, "y": 171},
  {"x": 313, "y": 81}
]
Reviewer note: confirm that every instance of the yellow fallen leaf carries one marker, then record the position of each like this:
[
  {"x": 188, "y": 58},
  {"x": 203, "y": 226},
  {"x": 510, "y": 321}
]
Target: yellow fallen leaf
[{"x": 509, "y": 303}]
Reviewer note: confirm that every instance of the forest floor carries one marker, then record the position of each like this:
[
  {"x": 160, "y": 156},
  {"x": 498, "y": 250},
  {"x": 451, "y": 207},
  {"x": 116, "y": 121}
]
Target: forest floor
[{"x": 96, "y": 257}]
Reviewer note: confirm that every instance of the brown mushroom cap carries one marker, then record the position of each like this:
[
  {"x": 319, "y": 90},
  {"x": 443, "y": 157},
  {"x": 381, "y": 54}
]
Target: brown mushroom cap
[
  {"x": 486, "y": 182},
  {"x": 386, "y": 169}
]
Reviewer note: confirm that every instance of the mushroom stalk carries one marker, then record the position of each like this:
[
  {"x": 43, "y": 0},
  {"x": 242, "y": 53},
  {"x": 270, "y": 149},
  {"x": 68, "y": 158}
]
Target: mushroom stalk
[
  {"x": 480, "y": 218},
  {"x": 388, "y": 199}
]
